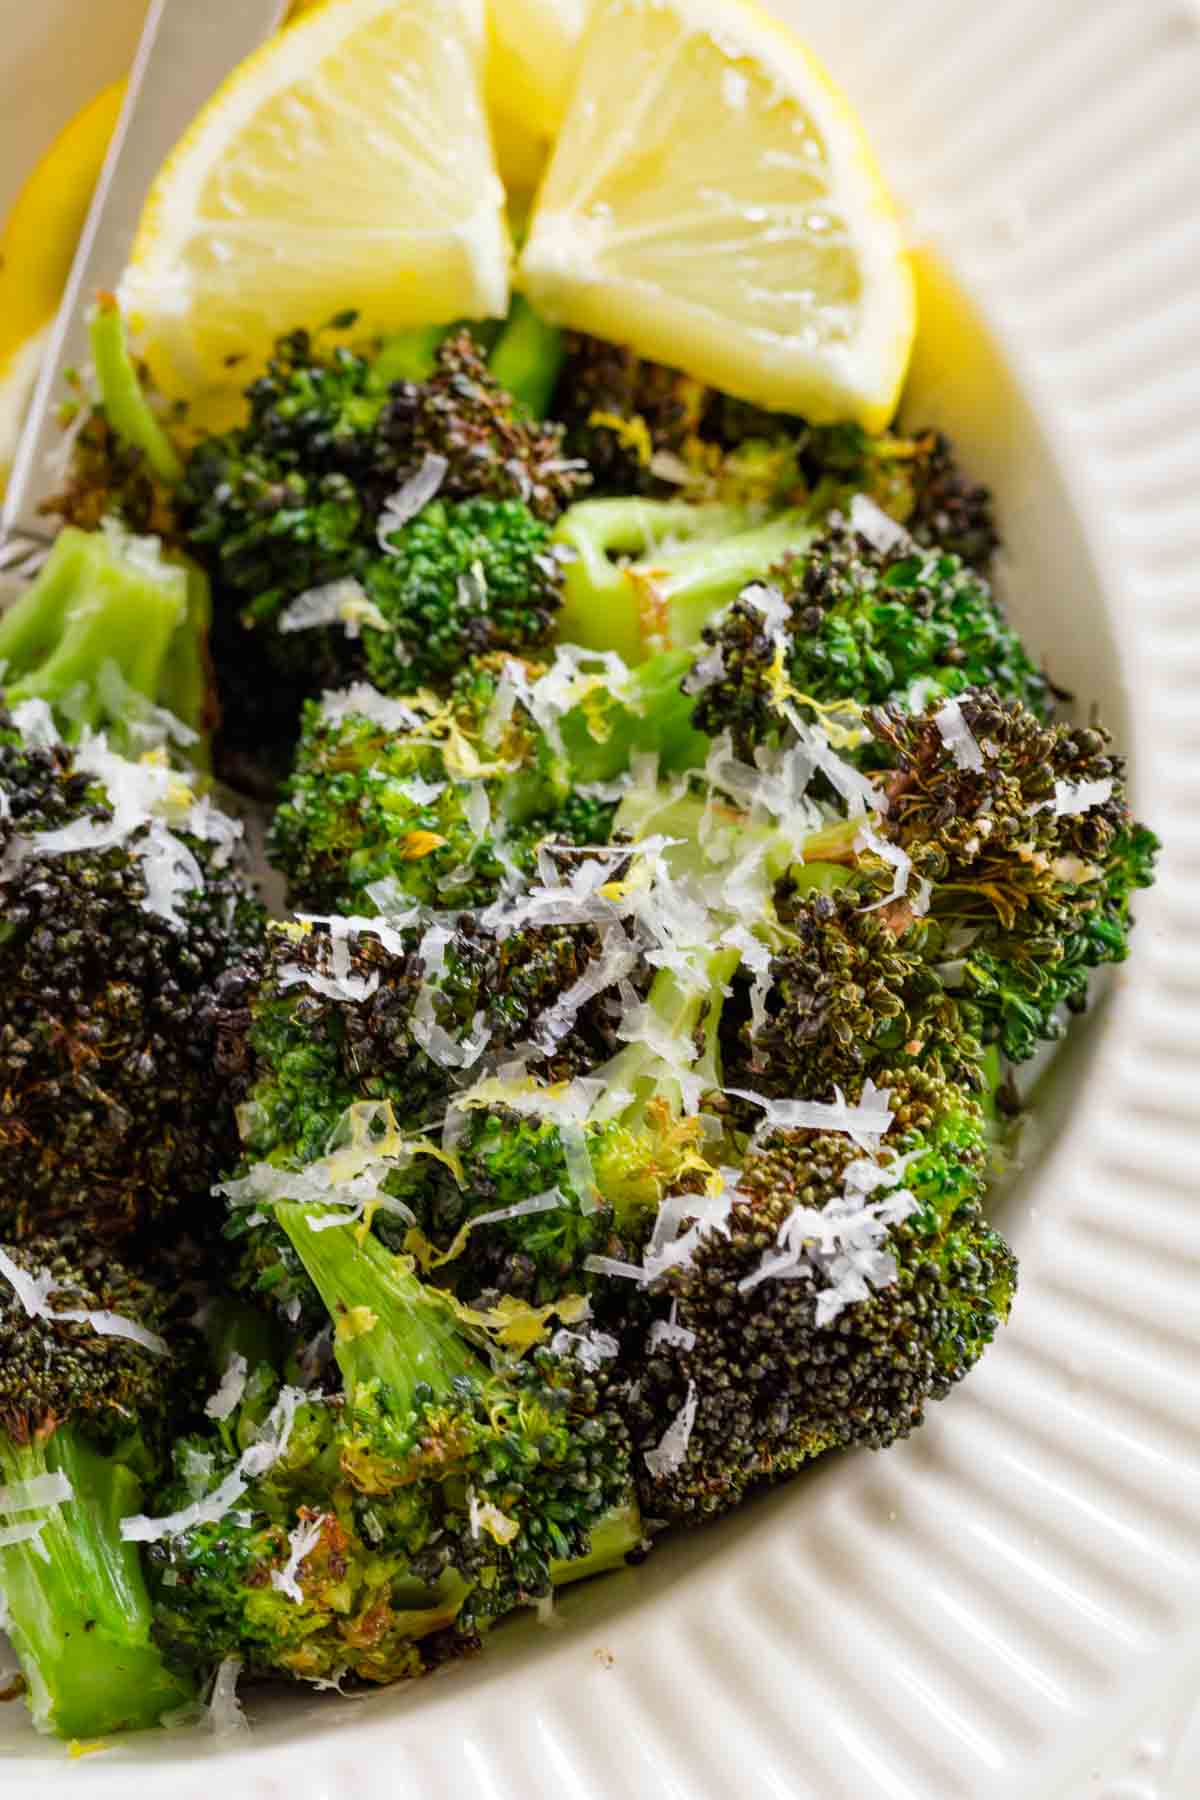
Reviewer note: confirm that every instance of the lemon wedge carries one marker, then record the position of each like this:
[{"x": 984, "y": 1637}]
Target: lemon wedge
[
  {"x": 36, "y": 248},
  {"x": 345, "y": 165},
  {"x": 533, "y": 48},
  {"x": 712, "y": 201}
]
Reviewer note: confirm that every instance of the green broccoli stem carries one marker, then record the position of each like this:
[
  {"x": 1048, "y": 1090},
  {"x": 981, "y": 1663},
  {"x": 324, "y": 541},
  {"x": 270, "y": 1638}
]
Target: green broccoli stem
[
  {"x": 600, "y": 608},
  {"x": 655, "y": 716},
  {"x": 682, "y": 1005},
  {"x": 122, "y": 397},
  {"x": 388, "y": 1327},
  {"x": 612, "y": 1540},
  {"x": 662, "y": 598},
  {"x": 186, "y": 685},
  {"x": 96, "y": 601},
  {"x": 527, "y": 358},
  {"x": 75, "y": 1602},
  {"x": 407, "y": 356}
]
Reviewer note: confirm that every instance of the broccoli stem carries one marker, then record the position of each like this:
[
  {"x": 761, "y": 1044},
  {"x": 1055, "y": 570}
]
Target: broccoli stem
[
  {"x": 98, "y": 600},
  {"x": 75, "y": 1603},
  {"x": 682, "y": 1005},
  {"x": 407, "y": 356},
  {"x": 527, "y": 358},
  {"x": 388, "y": 1327},
  {"x": 678, "y": 594},
  {"x": 663, "y": 598},
  {"x": 121, "y": 395},
  {"x": 186, "y": 686},
  {"x": 655, "y": 717},
  {"x": 602, "y": 607},
  {"x": 613, "y": 1539}
]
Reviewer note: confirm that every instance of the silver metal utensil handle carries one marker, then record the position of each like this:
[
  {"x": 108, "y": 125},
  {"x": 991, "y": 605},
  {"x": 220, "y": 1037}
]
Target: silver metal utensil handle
[{"x": 187, "y": 49}]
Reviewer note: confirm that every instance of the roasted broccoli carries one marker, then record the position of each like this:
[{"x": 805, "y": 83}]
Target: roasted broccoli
[
  {"x": 647, "y": 429},
  {"x": 842, "y": 1291},
  {"x": 113, "y": 636},
  {"x": 314, "y": 513},
  {"x": 88, "y": 1390},
  {"x": 856, "y": 620},
  {"x": 401, "y": 1517},
  {"x": 441, "y": 801},
  {"x": 123, "y": 901}
]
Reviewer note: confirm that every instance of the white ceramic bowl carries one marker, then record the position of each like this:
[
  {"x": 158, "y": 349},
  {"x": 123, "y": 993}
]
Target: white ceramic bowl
[{"x": 1006, "y": 1605}]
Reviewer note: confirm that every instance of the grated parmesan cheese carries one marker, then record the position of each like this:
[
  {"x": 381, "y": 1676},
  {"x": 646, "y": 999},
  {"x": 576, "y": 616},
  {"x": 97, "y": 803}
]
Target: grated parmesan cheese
[
  {"x": 38, "y": 1491},
  {"x": 1073, "y": 797},
  {"x": 409, "y": 499},
  {"x": 871, "y": 522},
  {"x": 958, "y": 737},
  {"x": 226, "y": 1716},
  {"x": 865, "y": 1122},
  {"x": 33, "y": 1291},
  {"x": 229, "y": 1392},
  {"x": 670, "y": 1453},
  {"x": 343, "y": 602},
  {"x": 301, "y": 1539},
  {"x": 591, "y": 1348},
  {"x": 362, "y": 701}
]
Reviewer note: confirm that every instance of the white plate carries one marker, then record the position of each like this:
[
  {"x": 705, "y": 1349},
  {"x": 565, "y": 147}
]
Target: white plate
[{"x": 1008, "y": 1605}]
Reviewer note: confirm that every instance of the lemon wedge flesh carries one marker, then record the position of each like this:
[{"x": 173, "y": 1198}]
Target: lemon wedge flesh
[
  {"x": 712, "y": 201},
  {"x": 533, "y": 48},
  {"x": 345, "y": 165}
]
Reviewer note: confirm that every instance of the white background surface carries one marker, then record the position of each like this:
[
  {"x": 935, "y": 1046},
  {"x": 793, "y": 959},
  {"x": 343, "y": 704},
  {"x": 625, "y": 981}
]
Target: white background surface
[{"x": 1008, "y": 1605}]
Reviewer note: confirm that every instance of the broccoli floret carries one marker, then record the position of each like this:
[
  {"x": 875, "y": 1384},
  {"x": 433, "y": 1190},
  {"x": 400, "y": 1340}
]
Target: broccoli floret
[
  {"x": 646, "y": 576},
  {"x": 842, "y": 1293},
  {"x": 1042, "y": 892},
  {"x": 124, "y": 900},
  {"x": 850, "y": 621},
  {"x": 850, "y": 991},
  {"x": 916, "y": 480},
  {"x": 1018, "y": 841},
  {"x": 112, "y": 636},
  {"x": 406, "y": 1514},
  {"x": 293, "y": 500},
  {"x": 491, "y": 446},
  {"x": 83, "y": 1413},
  {"x": 441, "y": 800},
  {"x": 460, "y": 580}
]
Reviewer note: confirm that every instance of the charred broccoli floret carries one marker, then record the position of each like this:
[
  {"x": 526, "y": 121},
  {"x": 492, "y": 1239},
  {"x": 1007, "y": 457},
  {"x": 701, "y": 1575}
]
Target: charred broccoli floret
[
  {"x": 295, "y": 501},
  {"x": 88, "y": 1386},
  {"x": 648, "y": 429},
  {"x": 843, "y": 1292},
  {"x": 849, "y": 620},
  {"x": 462, "y": 415},
  {"x": 123, "y": 902}
]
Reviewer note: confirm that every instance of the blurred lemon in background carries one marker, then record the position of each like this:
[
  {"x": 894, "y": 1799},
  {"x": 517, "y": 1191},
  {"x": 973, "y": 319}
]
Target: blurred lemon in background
[{"x": 36, "y": 249}]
